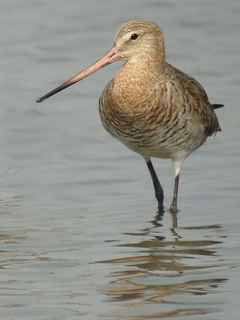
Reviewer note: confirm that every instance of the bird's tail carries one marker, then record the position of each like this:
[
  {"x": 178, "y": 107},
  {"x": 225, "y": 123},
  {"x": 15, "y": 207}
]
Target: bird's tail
[{"x": 217, "y": 106}]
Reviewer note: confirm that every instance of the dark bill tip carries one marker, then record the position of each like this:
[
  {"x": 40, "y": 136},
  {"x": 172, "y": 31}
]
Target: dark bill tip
[{"x": 40, "y": 100}]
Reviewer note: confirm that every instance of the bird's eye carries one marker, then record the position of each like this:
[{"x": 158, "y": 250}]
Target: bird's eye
[{"x": 134, "y": 36}]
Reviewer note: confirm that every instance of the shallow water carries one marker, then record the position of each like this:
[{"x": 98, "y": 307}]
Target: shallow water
[{"x": 80, "y": 237}]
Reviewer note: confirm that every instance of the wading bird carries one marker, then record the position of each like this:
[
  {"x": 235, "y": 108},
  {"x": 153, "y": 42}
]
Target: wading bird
[{"x": 153, "y": 108}]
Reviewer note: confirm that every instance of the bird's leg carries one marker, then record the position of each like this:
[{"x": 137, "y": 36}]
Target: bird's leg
[
  {"x": 177, "y": 168},
  {"x": 159, "y": 194},
  {"x": 173, "y": 208}
]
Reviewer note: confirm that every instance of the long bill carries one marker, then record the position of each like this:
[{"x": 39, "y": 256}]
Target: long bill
[{"x": 111, "y": 56}]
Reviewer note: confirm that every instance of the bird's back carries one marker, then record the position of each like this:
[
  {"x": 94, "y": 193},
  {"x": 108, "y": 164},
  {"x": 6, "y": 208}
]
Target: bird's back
[{"x": 195, "y": 99}]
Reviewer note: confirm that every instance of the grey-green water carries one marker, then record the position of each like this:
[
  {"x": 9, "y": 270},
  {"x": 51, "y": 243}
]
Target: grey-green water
[{"x": 79, "y": 234}]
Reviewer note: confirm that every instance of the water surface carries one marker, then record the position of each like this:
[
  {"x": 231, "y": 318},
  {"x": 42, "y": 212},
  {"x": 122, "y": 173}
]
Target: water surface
[{"x": 80, "y": 237}]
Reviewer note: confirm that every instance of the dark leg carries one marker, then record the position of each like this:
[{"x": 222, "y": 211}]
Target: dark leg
[
  {"x": 173, "y": 207},
  {"x": 177, "y": 164},
  {"x": 157, "y": 186}
]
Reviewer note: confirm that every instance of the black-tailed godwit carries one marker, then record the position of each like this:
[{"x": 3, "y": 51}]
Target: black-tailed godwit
[{"x": 153, "y": 108}]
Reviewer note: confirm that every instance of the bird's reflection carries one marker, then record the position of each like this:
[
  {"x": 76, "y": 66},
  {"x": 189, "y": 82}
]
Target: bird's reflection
[
  {"x": 162, "y": 267},
  {"x": 157, "y": 222}
]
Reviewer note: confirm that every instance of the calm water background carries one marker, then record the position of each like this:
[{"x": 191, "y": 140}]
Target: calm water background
[{"x": 79, "y": 234}]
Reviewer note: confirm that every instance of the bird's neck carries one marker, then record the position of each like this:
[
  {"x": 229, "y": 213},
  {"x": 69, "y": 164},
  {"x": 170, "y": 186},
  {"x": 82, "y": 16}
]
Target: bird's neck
[
  {"x": 140, "y": 72},
  {"x": 134, "y": 80}
]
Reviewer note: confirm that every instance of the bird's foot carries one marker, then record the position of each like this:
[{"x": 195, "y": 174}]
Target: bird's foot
[
  {"x": 173, "y": 208},
  {"x": 160, "y": 208}
]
